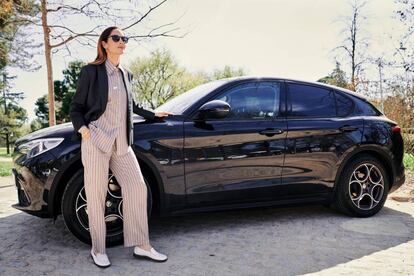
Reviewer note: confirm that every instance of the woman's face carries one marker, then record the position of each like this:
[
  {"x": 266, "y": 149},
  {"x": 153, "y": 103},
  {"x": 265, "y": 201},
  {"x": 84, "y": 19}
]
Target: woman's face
[{"x": 112, "y": 47}]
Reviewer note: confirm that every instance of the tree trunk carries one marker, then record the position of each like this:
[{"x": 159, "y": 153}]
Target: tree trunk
[
  {"x": 7, "y": 143},
  {"x": 48, "y": 56}
]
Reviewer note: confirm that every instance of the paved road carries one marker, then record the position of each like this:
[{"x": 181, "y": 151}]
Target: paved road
[{"x": 266, "y": 241}]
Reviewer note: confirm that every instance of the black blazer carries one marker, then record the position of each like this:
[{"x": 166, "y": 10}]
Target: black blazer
[{"x": 91, "y": 97}]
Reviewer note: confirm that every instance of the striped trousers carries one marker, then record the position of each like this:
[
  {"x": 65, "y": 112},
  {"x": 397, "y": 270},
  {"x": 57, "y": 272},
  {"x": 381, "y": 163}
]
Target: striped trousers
[{"x": 134, "y": 192}]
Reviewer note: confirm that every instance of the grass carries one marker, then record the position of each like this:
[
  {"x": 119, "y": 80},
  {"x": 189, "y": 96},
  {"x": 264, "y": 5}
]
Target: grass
[
  {"x": 3, "y": 152},
  {"x": 5, "y": 168},
  {"x": 409, "y": 161},
  {"x": 6, "y": 163}
]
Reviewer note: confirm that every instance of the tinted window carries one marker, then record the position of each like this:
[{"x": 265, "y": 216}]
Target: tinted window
[
  {"x": 310, "y": 101},
  {"x": 366, "y": 108},
  {"x": 180, "y": 103},
  {"x": 344, "y": 104},
  {"x": 252, "y": 101}
]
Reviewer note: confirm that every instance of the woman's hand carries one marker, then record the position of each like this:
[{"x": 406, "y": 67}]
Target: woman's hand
[
  {"x": 162, "y": 114},
  {"x": 84, "y": 131}
]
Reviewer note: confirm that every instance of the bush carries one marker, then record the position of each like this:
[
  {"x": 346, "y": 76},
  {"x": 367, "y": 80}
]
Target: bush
[
  {"x": 409, "y": 161},
  {"x": 408, "y": 136}
]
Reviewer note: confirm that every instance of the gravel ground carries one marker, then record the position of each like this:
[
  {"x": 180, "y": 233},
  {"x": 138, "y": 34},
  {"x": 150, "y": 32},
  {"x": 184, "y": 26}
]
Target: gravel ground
[
  {"x": 264, "y": 241},
  {"x": 406, "y": 192}
]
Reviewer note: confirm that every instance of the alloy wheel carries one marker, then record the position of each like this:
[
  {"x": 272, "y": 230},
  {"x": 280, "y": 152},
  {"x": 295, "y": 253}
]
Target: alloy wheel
[
  {"x": 366, "y": 186},
  {"x": 113, "y": 208}
]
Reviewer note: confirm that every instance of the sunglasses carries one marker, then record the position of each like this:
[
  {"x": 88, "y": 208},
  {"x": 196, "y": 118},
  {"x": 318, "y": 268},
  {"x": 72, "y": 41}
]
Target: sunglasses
[{"x": 116, "y": 38}]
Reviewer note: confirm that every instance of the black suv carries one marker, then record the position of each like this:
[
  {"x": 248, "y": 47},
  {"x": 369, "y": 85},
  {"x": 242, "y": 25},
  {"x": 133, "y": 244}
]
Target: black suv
[{"x": 232, "y": 143}]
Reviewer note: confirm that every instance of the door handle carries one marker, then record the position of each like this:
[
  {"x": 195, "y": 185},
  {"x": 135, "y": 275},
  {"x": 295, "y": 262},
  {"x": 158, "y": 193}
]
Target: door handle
[
  {"x": 271, "y": 132},
  {"x": 347, "y": 128}
]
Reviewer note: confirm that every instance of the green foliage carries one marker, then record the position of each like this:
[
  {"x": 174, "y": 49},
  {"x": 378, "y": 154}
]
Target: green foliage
[
  {"x": 6, "y": 168},
  {"x": 42, "y": 111},
  {"x": 409, "y": 161},
  {"x": 64, "y": 91},
  {"x": 11, "y": 122},
  {"x": 35, "y": 125},
  {"x": 337, "y": 77},
  {"x": 3, "y": 152},
  {"x": 156, "y": 78},
  {"x": 159, "y": 78},
  {"x": 16, "y": 49},
  {"x": 71, "y": 74},
  {"x": 227, "y": 72},
  {"x": 15, "y": 45}
]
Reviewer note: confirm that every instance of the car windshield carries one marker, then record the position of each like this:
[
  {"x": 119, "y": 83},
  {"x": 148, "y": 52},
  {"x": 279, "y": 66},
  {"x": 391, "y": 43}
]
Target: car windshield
[{"x": 180, "y": 103}]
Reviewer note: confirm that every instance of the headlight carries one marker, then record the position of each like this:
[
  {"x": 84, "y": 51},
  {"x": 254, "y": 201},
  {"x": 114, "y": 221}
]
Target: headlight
[{"x": 39, "y": 146}]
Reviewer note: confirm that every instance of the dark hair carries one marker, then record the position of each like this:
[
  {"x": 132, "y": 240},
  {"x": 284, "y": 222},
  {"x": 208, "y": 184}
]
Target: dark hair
[{"x": 101, "y": 52}]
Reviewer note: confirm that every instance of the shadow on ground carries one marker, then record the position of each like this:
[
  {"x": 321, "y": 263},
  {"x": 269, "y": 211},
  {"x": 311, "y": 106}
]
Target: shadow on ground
[{"x": 282, "y": 241}]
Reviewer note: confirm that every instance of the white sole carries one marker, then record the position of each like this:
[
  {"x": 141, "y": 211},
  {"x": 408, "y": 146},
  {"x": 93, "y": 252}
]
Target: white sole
[{"x": 147, "y": 257}]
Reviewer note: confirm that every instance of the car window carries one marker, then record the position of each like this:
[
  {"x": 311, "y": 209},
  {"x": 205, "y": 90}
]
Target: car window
[
  {"x": 311, "y": 101},
  {"x": 365, "y": 108},
  {"x": 179, "y": 104},
  {"x": 344, "y": 104},
  {"x": 252, "y": 101}
]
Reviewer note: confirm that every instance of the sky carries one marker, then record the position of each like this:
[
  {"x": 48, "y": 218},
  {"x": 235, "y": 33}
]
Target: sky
[{"x": 281, "y": 38}]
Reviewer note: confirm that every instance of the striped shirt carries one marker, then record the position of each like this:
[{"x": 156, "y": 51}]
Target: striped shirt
[{"x": 111, "y": 126}]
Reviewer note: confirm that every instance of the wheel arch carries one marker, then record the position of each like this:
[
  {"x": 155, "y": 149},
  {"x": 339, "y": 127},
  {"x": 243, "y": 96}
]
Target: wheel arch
[
  {"x": 61, "y": 180},
  {"x": 372, "y": 150}
]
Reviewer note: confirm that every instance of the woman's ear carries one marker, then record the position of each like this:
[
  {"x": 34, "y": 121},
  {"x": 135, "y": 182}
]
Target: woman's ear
[{"x": 104, "y": 44}]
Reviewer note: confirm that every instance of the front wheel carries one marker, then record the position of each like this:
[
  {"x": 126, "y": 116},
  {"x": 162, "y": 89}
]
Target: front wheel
[
  {"x": 362, "y": 188},
  {"x": 75, "y": 211}
]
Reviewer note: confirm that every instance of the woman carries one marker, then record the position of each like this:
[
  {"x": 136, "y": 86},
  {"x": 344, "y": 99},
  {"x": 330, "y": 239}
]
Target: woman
[{"x": 101, "y": 112}]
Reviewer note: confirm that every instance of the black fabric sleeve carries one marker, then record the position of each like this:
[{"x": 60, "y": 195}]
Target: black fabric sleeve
[
  {"x": 78, "y": 103},
  {"x": 147, "y": 114}
]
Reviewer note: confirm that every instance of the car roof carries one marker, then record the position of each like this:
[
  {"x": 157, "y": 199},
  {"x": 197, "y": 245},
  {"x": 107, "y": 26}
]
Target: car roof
[{"x": 243, "y": 78}]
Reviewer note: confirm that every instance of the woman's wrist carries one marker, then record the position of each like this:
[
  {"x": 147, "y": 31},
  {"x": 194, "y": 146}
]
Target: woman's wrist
[{"x": 82, "y": 129}]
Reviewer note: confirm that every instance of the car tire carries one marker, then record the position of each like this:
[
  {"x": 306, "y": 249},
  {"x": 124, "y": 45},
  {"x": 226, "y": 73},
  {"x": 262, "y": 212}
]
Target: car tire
[
  {"x": 76, "y": 219},
  {"x": 362, "y": 187}
]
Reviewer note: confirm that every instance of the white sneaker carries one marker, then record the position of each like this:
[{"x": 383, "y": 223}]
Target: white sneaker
[
  {"x": 100, "y": 260},
  {"x": 152, "y": 254}
]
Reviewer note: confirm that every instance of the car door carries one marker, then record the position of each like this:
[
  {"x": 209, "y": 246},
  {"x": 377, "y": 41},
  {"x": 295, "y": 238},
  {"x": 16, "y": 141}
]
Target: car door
[
  {"x": 320, "y": 130},
  {"x": 238, "y": 158}
]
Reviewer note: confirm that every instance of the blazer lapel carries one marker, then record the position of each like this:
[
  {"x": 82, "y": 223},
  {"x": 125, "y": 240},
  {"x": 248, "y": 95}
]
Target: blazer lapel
[{"x": 103, "y": 85}]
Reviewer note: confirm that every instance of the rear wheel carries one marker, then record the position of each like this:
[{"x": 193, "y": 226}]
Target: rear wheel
[
  {"x": 75, "y": 211},
  {"x": 362, "y": 188}
]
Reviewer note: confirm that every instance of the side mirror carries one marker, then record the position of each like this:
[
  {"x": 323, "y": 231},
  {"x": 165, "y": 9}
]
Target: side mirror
[{"x": 215, "y": 109}]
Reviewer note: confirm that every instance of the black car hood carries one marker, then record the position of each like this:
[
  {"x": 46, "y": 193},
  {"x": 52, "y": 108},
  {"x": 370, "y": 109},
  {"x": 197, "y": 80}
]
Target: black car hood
[{"x": 62, "y": 130}]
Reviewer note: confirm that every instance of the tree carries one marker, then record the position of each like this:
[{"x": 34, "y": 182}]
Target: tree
[
  {"x": 64, "y": 92},
  {"x": 405, "y": 13},
  {"x": 60, "y": 24},
  {"x": 70, "y": 80},
  {"x": 16, "y": 50},
  {"x": 16, "y": 46},
  {"x": 400, "y": 109},
  {"x": 337, "y": 77},
  {"x": 158, "y": 78},
  {"x": 12, "y": 118},
  {"x": 354, "y": 44},
  {"x": 42, "y": 111},
  {"x": 9, "y": 101},
  {"x": 227, "y": 72}
]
